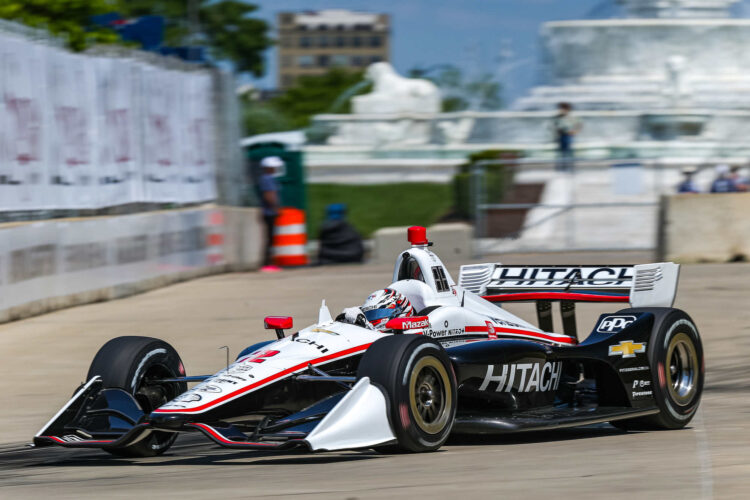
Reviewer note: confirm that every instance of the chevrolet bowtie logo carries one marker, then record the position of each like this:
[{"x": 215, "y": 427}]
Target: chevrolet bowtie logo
[{"x": 627, "y": 349}]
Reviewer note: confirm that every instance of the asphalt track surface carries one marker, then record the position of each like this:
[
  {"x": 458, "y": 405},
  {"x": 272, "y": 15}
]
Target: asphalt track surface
[{"x": 44, "y": 358}]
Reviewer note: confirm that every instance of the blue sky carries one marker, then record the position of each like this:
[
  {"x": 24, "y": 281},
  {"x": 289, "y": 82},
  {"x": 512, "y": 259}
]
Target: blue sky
[{"x": 471, "y": 34}]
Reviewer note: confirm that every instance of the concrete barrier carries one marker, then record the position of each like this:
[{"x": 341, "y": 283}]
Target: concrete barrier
[
  {"x": 452, "y": 241},
  {"x": 60, "y": 263},
  {"x": 706, "y": 227}
]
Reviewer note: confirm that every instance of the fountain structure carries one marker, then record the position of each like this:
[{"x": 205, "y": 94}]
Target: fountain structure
[{"x": 669, "y": 79}]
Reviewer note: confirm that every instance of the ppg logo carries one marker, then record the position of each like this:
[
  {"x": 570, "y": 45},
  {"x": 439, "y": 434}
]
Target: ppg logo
[{"x": 613, "y": 324}]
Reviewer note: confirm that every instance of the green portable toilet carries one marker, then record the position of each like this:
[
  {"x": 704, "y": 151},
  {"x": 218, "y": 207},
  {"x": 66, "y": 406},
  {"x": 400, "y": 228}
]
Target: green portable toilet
[{"x": 292, "y": 182}]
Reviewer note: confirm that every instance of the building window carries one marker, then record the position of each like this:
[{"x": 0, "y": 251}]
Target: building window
[
  {"x": 323, "y": 41},
  {"x": 375, "y": 59},
  {"x": 340, "y": 27},
  {"x": 305, "y": 61},
  {"x": 340, "y": 41},
  {"x": 362, "y": 27},
  {"x": 304, "y": 41},
  {"x": 357, "y": 61},
  {"x": 375, "y": 41},
  {"x": 356, "y": 42},
  {"x": 323, "y": 27},
  {"x": 323, "y": 61},
  {"x": 340, "y": 60}
]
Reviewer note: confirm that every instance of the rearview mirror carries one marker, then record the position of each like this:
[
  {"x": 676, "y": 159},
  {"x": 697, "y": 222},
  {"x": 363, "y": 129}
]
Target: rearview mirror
[{"x": 278, "y": 323}]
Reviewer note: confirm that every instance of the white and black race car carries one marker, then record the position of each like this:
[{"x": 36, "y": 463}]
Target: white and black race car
[{"x": 463, "y": 364}]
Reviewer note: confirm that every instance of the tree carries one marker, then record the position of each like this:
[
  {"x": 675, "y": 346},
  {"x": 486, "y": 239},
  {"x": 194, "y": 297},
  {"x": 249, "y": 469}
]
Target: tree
[
  {"x": 316, "y": 94},
  {"x": 225, "y": 27},
  {"x": 232, "y": 34},
  {"x": 67, "y": 19}
]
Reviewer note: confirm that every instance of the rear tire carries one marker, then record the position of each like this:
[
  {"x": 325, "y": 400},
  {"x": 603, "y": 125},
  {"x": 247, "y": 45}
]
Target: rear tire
[
  {"x": 128, "y": 363},
  {"x": 677, "y": 370},
  {"x": 420, "y": 387}
]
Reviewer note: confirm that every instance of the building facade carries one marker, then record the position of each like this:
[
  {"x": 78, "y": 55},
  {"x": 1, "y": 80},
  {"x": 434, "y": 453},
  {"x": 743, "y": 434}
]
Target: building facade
[{"x": 311, "y": 43}]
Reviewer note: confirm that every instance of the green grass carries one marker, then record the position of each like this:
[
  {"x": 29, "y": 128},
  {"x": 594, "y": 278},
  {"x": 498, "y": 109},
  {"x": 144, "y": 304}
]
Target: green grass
[{"x": 381, "y": 205}]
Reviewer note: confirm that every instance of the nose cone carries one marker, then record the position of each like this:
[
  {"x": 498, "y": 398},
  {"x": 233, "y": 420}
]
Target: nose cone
[{"x": 167, "y": 420}]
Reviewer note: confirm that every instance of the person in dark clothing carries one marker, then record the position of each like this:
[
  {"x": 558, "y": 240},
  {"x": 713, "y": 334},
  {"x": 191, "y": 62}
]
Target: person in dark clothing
[
  {"x": 723, "y": 183},
  {"x": 339, "y": 241},
  {"x": 687, "y": 185},
  {"x": 269, "y": 191},
  {"x": 566, "y": 126}
]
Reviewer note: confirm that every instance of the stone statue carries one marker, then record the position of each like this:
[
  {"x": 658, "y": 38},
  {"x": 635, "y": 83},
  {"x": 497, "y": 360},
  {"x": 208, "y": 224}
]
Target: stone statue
[
  {"x": 392, "y": 93},
  {"x": 676, "y": 88}
]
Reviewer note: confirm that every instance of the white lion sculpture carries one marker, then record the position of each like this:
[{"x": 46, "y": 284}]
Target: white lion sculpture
[{"x": 393, "y": 93}]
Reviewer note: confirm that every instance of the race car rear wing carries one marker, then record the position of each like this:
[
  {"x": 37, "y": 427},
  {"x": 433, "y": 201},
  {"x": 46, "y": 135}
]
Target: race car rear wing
[{"x": 642, "y": 285}]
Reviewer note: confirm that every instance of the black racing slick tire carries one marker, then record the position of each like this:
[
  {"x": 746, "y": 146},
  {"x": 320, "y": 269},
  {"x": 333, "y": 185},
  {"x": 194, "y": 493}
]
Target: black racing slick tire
[
  {"x": 418, "y": 380},
  {"x": 675, "y": 357},
  {"x": 130, "y": 363}
]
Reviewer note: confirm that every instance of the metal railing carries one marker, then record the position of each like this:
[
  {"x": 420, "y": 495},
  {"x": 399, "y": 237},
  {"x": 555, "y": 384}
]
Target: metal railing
[{"x": 595, "y": 205}]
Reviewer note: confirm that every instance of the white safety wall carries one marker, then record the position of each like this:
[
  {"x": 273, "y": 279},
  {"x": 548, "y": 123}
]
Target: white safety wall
[
  {"x": 58, "y": 258},
  {"x": 87, "y": 132}
]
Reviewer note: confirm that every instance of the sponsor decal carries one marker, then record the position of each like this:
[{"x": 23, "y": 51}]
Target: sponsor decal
[
  {"x": 260, "y": 357},
  {"x": 220, "y": 380},
  {"x": 613, "y": 324},
  {"x": 188, "y": 397},
  {"x": 71, "y": 438},
  {"x": 411, "y": 325},
  {"x": 323, "y": 330},
  {"x": 312, "y": 343},
  {"x": 491, "y": 333},
  {"x": 502, "y": 322},
  {"x": 451, "y": 332},
  {"x": 627, "y": 349},
  {"x": 641, "y": 393},
  {"x": 641, "y": 383},
  {"x": 545, "y": 277},
  {"x": 526, "y": 377},
  {"x": 208, "y": 388},
  {"x": 634, "y": 369}
]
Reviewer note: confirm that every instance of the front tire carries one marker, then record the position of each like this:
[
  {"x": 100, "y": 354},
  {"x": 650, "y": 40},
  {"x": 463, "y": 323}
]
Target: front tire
[
  {"x": 420, "y": 386},
  {"x": 677, "y": 370},
  {"x": 129, "y": 363}
]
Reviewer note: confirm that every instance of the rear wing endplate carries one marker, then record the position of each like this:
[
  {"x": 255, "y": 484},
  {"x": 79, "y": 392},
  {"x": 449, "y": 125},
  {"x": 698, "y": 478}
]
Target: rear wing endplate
[{"x": 642, "y": 285}]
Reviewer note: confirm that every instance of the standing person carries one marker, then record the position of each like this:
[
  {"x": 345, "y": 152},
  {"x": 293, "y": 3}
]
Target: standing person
[
  {"x": 723, "y": 183},
  {"x": 269, "y": 198},
  {"x": 740, "y": 184},
  {"x": 566, "y": 126},
  {"x": 687, "y": 185}
]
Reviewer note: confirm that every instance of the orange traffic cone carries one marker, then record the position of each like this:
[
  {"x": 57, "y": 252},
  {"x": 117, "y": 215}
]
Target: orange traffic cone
[{"x": 289, "y": 238}]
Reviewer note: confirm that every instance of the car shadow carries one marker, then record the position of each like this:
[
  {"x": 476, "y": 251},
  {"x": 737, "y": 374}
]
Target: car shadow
[
  {"x": 195, "y": 451},
  {"x": 551, "y": 435}
]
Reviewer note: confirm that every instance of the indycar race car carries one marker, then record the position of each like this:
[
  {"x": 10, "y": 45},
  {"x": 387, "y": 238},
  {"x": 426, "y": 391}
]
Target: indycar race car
[{"x": 462, "y": 364}]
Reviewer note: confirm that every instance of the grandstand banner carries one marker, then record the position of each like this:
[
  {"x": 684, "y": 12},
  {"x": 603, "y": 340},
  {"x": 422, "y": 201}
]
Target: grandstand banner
[
  {"x": 85, "y": 132},
  {"x": 23, "y": 166},
  {"x": 117, "y": 173}
]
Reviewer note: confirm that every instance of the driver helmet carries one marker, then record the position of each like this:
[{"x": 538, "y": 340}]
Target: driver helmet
[{"x": 386, "y": 304}]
